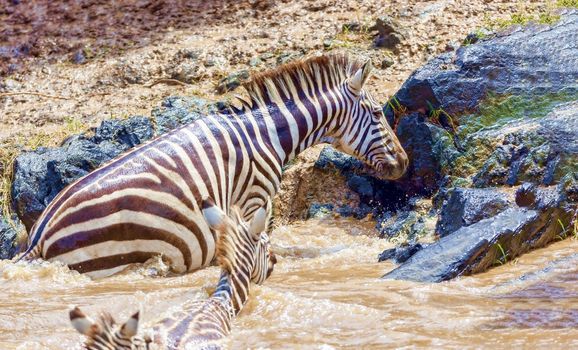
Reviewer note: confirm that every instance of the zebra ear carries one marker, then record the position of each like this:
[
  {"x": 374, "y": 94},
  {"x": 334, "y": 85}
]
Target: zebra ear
[
  {"x": 82, "y": 323},
  {"x": 130, "y": 328},
  {"x": 214, "y": 216},
  {"x": 360, "y": 77},
  {"x": 260, "y": 220}
]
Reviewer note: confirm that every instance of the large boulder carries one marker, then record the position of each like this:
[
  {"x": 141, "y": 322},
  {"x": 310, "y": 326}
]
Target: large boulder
[
  {"x": 466, "y": 206},
  {"x": 537, "y": 59},
  {"x": 8, "y": 235},
  {"x": 540, "y": 150},
  {"x": 41, "y": 174},
  {"x": 495, "y": 240}
]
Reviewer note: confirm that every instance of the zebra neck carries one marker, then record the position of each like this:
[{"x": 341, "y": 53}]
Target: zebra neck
[
  {"x": 293, "y": 125},
  {"x": 232, "y": 291}
]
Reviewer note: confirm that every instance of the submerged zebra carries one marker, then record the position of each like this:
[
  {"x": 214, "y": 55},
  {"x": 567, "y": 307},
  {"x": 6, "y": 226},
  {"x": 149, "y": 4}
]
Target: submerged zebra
[
  {"x": 146, "y": 202},
  {"x": 243, "y": 253}
]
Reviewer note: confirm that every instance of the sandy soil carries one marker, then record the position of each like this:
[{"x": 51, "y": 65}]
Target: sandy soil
[{"x": 101, "y": 56}]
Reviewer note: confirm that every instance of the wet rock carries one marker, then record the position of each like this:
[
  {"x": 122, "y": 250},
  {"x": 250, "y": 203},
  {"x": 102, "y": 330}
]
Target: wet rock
[
  {"x": 465, "y": 206},
  {"x": 496, "y": 240},
  {"x": 176, "y": 111},
  {"x": 232, "y": 81},
  {"x": 531, "y": 60},
  {"x": 400, "y": 254},
  {"x": 373, "y": 192},
  {"x": 317, "y": 210},
  {"x": 39, "y": 175},
  {"x": 8, "y": 235},
  {"x": 539, "y": 151},
  {"x": 430, "y": 150},
  {"x": 526, "y": 195},
  {"x": 403, "y": 224}
]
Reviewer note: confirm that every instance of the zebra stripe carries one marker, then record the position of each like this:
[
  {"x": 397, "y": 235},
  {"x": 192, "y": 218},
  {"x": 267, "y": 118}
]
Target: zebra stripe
[
  {"x": 122, "y": 211},
  {"x": 244, "y": 256}
]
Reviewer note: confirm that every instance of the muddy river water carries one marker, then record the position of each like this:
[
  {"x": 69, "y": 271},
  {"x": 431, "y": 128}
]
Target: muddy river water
[{"x": 325, "y": 293}]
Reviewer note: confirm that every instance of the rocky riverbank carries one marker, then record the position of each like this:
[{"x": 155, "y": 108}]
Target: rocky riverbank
[{"x": 490, "y": 127}]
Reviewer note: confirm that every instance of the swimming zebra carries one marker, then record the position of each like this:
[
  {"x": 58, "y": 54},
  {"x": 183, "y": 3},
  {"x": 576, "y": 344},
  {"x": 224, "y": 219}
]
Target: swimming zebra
[
  {"x": 243, "y": 253},
  {"x": 146, "y": 202}
]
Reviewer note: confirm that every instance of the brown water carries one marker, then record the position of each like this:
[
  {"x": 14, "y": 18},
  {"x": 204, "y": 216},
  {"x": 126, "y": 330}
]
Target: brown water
[{"x": 325, "y": 293}]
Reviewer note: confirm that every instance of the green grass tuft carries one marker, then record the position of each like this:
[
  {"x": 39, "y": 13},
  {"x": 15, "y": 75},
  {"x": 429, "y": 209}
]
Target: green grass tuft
[
  {"x": 502, "y": 259},
  {"x": 567, "y": 3}
]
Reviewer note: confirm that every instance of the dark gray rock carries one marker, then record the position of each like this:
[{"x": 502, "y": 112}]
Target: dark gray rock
[
  {"x": 496, "y": 240},
  {"x": 517, "y": 63},
  {"x": 429, "y": 149},
  {"x": 8, "y": 235},
  {"x": 539, "y": 151},
  {"x": 176, "y": 111},
  {"x": 317, "y": 210},
  {"x": 39, "y": 175},
  {"x": 373, "y": 192},
  {"x": 465, "y": 206},
  {"x": 400, "y": 254},
  {"x": 79, "y": 57}
]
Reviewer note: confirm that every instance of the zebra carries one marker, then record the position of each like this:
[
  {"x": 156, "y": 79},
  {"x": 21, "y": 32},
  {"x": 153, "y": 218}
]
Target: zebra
[
  {"x": 145, "y": 203},
  {"x": 244, "y": 255}
]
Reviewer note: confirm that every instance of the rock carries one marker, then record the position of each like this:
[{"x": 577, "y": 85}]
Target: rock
[
  {"x": 8, "y": 236},
  {"x": 317, "y": 210},
  {"x": 466, "y": 206},
  {"x": 39, "y": 175},
  {"x": 232, "y": 81},
  {"x": 389, "y": 41},
  {"x": 187, "y": 54},
  {"x": 526, "y": 195},
  {"x": 387, "y": 62},
  {"x": 531, "y": 60},
  {"x": 400, "y": 254},
  {"x": 255, "y": 61},
  {"x": 388, "y": 32},
  {"x": 540, "y": 150},
  {"x": 79, "y": 57},
  {"x": 402, "y": 224},
  {"x": 176, "y": 111},
  {"x": 430, "y": 150},
  {"x": 496, "y": 240},
  {"x": 351, "y": 27},
  {"x": 373, "y": 192},
  {"x": 186, "y": 72}
]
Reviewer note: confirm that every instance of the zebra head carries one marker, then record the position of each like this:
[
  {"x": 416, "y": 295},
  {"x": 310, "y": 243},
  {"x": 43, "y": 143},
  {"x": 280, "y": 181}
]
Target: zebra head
[
  {"x": 362, "y": 131},
  {"x": 242, "y": 245},
  {"x": 105, "y": 333}
]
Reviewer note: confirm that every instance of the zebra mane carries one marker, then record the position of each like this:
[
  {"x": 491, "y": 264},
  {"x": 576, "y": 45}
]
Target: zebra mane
[{"x": 318, "y": 73}]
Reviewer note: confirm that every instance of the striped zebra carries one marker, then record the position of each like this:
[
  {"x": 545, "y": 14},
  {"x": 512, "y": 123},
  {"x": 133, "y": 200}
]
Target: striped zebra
[
  {"x": 147, "y": 202},
  {"x": 243, "y": 253}
]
